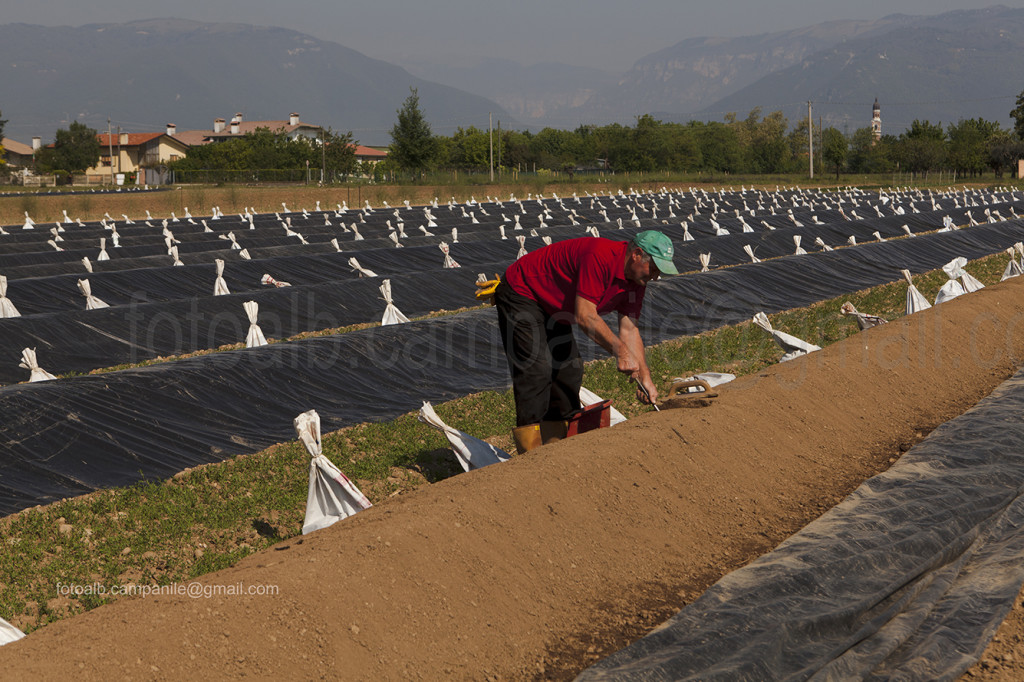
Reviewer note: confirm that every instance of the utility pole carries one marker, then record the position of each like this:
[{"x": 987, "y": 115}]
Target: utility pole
[
  {"x": 810, "y": 138},
  {"x": 323, "y": 156},
  {"x": 499, "y": 147},
  {"x": 490, "y": 138},
  {"x": 118, "y": 149},
  {"x": 110, "y": 151}
]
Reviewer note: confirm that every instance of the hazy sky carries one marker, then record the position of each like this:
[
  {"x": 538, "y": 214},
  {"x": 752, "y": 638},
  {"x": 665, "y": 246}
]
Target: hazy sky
[{"x": 608, "y": 34}]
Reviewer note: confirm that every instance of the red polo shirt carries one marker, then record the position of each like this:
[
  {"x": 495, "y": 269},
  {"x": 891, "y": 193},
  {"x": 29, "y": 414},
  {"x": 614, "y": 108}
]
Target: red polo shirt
[{"x": 591, "y": 267}]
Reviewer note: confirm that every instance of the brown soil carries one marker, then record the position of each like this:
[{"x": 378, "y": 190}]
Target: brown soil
[{"x": 538, "y": 567}]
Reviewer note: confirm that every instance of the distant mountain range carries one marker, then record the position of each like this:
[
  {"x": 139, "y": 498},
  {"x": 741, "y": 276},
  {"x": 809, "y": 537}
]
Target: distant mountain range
[{"x": 144, "y": 74}]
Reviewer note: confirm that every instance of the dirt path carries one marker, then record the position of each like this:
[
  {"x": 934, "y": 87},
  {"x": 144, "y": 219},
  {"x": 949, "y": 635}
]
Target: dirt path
[{"x": 539, "y": 566}]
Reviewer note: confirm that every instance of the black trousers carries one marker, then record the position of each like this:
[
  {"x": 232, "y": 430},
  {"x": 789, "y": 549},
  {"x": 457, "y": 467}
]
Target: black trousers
[{"x": 545, "y": 363}]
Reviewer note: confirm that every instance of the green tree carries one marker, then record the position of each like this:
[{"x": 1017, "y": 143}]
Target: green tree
[
  {"x": 720, "y": 147},
  {"x": 769, "y": 150},
  {"x": 74, "y": 149},
  {"x": 968, "y": 145},
  {"x": 339, "y": 153},
  {"x": 468, "y": 149},
  {"x": 868, "y": 155},
  {"x": 834, "y": 149},
  {"x": 412, "y": 142},
  {"x": 922, "y": 148},
  {"x": 1018, "y": 116},
  {"x": 1004, "y": 149}
]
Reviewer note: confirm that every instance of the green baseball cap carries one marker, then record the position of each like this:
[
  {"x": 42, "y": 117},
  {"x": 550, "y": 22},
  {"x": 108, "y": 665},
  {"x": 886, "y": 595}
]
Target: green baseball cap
[{"x": 659, "y": 247}]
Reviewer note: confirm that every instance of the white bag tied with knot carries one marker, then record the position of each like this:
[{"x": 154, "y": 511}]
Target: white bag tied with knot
[
  {"x": 255, "y": 336},
  {"x": 800, "y": 251},
  {"x": 103, "y": 250},
  {"x": 705, "y": 261},
  {"x": 449, "y": 262},
  {"x": 954, "y": 269},
  {"x": 220, "y": 286},
  {"x": 522, "y": 246},
  {"x": 363, "y": 272},
  {"x": 1013, "y": 268},
  {"x": 793, "y": 346},
  {"x": 915, "y": 299},
  {"x": 7, "y": 308},
  {"x": 864, "y": 320},
  {"x": 28, "y": 361},
  {"x": 471, "y": 452},
  {"x": 267, "y": 280},
  {"x": 91, "y": 302},
  {"x": 392, "y": 315},
  {"x": 331, "y": 496},
  {"x": 750, "y": 252}
]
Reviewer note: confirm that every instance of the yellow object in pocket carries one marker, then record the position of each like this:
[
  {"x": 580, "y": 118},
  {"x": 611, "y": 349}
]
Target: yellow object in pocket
[{"x": 485, "y": 289}]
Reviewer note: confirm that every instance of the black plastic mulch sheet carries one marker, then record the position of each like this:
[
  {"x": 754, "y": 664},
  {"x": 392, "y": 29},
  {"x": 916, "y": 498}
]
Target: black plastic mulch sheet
[
  {"x": 908, "y": 578},
  {"x": 64, "y": 438},
  {"x": 67, "y": 437},
  {"x": 82, "y": 340}
]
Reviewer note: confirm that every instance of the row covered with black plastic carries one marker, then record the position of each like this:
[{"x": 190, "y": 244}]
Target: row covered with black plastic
[{"x": 74, "y": 435}]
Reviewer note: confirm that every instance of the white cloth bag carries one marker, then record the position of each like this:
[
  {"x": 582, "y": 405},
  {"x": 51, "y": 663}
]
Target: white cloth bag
[
  {"x": 793, "y": 346},
  {"x": 220, "y": 285},
  {"x": 7, "y": 308},
  {"x": 915, "y": 299},
  {"x": 953, "y": 288},
  {"x": 331, "y": 496},
  {"x": 255, "y": 336},
  {"x": 91, "y": 302},
  {"x": 392, "y": 315},
  {"x": 471, "y": 452},
  {"x": 28, "y": 361}
]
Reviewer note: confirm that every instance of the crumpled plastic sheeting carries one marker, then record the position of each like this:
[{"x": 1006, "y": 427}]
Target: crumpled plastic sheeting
[{"x": 908, "y": 578}]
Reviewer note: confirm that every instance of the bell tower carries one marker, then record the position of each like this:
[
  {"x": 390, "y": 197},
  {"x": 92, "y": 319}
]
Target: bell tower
[{"x": 876, "y": 121}]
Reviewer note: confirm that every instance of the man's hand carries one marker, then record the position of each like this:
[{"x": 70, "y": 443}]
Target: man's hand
[
  {"x": 648, "y": 394},
  {"x": 627, "y": 364}
]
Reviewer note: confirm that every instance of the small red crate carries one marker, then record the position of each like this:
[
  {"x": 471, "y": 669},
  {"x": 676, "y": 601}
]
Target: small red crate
[{"x": 596, "y": 416}]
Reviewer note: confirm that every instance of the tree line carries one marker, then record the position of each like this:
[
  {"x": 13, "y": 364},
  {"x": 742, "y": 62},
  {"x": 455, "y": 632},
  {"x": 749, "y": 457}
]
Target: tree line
[{"x": 757, "y": 144}]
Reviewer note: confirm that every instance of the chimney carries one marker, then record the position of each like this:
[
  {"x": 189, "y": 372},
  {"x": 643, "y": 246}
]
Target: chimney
[
  {"x": 122, "y": 139},
  {"x": 293, "y": 120},
  {"x": 171, "y": 129},
  {"x": 238, "y": 117},
  {"x": 218, "y": 125},
  {"x": 37, "y": 142},
  {"x": 234, "y": 127}
]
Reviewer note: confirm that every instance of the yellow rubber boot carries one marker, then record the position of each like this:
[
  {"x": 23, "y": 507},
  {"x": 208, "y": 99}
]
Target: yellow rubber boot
[
  {"x": 527, "y": 437},
  {"x": 552, "y": 431}
]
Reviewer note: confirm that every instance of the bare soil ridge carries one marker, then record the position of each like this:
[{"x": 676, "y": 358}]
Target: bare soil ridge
[{"x": 539, "y": 566}]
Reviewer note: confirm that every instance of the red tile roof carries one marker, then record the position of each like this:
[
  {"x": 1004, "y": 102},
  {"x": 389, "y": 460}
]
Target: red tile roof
[
  {"x": 369, "y": 151},
  {"x": 134, "y": 139}
]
